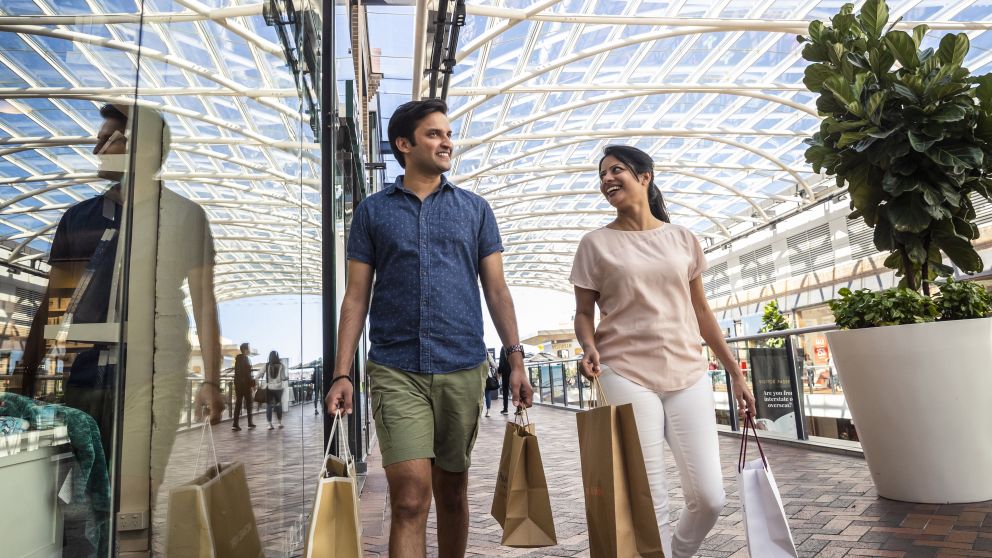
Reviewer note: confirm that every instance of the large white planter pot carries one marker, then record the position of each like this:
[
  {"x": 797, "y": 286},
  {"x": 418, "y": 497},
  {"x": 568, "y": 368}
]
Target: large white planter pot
[{"x": 920, "y": 396}]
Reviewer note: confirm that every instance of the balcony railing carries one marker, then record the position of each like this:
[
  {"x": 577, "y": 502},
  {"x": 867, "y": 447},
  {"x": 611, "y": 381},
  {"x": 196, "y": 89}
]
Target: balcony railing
[{"x": 798, "y": 393}]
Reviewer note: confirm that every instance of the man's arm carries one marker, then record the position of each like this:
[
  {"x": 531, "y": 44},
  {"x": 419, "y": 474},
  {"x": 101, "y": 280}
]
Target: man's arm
[
  {"x": 500, "y": 305},
  {"x": 354, "y": 311},
  {"x": 201, "y": 294}
]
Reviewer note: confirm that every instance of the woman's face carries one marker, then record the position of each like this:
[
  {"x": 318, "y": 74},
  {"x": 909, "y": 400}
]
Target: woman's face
[{"x": 621, "y": 187}]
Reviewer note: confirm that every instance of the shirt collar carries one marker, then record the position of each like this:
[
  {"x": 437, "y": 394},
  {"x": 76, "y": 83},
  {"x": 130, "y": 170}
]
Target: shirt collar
[{"x": 397, "y": 185}]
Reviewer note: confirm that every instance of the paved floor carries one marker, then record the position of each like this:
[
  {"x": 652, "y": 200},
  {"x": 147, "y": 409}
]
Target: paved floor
[
  {"x": 832, "y": 505},
  {"x": 830, "y": 499}
]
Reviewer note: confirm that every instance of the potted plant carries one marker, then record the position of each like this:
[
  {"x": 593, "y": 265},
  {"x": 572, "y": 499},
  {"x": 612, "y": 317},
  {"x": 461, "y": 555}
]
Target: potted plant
[{"x": 908, "y": 131}]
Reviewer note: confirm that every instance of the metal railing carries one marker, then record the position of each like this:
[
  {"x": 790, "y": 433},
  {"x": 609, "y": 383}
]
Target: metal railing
[{"x": 797, "y": 390}]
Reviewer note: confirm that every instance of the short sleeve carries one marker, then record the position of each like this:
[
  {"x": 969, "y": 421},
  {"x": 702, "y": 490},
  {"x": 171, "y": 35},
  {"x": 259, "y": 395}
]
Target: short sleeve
[
  {"x": 489, "y": 239},
  {"x": 697, "y": 263},
  {"x": 584, "y": 268},
  {"x": 360, "y": 245}
]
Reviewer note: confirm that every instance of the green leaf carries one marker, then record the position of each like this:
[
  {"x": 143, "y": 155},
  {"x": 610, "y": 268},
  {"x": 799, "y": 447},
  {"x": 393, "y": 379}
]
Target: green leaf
[
  {"x": 948, "y": 113},
  {"x": 954, "y": 48},
  {"x": 816, "y": 30},
  {"x": 918, "y": 33},
  {"x": 905, "y": 92},
  {"x": 897, "y": 185},
  {"x": 848, "y": 138},
  {"x": 984, "y": 92},
  {"x": 961, "y": 252},
  {"x": 960, "y": 157},
  {"x": 874, "y": 16},
  {"x": 815, "y": 75},
  {"x": 903, "y": 47},
  {"x": 920, "y": 142},
  {"x": 883, "y": 236},
  {"x": 908, "y": 213},
  {"x": 876, "y": 101}
]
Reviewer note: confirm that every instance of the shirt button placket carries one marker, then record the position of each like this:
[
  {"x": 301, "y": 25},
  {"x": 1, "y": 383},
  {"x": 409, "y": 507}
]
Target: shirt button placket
[{"x": 424, "y": 303}]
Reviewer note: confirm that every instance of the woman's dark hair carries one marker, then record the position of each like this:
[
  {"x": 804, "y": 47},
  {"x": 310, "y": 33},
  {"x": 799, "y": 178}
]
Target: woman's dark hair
[
  {"x": 405, "y": 119},
  {"x": 273, "y": 359},
  {"x": 639, "y": 163}
]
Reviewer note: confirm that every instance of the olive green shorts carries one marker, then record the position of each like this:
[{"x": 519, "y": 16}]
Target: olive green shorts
[{"x": 427, "y": 416}]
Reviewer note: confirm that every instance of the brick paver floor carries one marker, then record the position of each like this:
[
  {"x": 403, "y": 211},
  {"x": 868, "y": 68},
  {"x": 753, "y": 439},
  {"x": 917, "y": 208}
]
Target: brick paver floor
[
  {"x": 830, "y": 500},
  {"x": 832, "y": 505}
]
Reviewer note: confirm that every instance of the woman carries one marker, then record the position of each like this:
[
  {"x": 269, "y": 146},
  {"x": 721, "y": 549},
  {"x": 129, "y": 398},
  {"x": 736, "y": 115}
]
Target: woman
[
  {"x": 644, "y": 273},
  {"x": 276, "y": 380},
  {"x": 492, "y": 382}
]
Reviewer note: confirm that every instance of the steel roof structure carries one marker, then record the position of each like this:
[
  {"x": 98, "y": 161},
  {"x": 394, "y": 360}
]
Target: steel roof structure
[
  {"x": 711, "y": 88},
  {"x": 241, "y": 146}
]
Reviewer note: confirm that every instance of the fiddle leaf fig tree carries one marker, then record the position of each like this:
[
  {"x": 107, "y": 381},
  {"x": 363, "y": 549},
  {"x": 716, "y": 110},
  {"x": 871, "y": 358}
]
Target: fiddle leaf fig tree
[{"x": 908, "y": 131}]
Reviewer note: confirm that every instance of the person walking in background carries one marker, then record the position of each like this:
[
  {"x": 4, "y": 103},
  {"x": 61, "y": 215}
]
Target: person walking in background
[
  {"x": 504, "y": 379},
  {"x": 243, "y": 382},
  {"x": 427, "y": 245},
  {"x": 492, "y": 382},
  {"x": 276, "y": 380},
  {"x": 645, "y": 274}
]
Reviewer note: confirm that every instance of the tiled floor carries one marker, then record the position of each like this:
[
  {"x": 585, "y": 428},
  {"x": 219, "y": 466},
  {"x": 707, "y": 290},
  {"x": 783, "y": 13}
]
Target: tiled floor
[
  {"x": 830, "y": 499},
  {"x": 832, "y": 505}
]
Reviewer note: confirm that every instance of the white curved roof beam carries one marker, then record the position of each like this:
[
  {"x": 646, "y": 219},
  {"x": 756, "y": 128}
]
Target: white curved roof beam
[
  {"x": 12, "y": 257},
  {"x": 565, "y": 213},
  {"x": 151, "y": 18},
  {"x": 677, "y": 133},
  {"x": 249, "y": 36},
  {"x": 116, "y": 92},
  {"x": 486, "y": 38},
  {"x": 171, "y": 59},
  {"x": 783, "y": 26}
]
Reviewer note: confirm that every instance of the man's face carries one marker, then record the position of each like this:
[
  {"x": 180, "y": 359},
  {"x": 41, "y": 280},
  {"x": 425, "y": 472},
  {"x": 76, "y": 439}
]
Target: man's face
[
  {"x": 111, "y": 149},
  {"x": 432, "y": 150}
]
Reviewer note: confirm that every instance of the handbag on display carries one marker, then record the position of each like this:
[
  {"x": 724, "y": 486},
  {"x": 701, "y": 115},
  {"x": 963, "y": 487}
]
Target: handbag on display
[
  {"x": 766, "y": 527},
  {"x": 492, "y": 383}
]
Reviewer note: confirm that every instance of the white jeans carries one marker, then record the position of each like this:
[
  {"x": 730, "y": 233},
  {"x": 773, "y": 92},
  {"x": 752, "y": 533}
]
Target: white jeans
[{"x": 686, "y": 420}]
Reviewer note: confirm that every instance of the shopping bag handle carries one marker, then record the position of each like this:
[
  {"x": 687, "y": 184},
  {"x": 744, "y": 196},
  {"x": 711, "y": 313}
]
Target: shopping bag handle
[
  {"x": 520, "y": 417},
  {"x": 597, "y": 386},
  {"x": 339, "y": 429},
  {"x": 749, "y": 422},
  {"x": 203, "y": 434}
]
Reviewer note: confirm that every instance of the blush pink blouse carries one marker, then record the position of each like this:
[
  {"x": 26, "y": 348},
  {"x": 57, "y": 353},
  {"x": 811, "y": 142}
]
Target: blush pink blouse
[{"x": 648, "y": 331}]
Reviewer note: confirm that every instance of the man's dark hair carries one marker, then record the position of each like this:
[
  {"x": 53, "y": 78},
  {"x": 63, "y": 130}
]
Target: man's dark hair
[
  {"x": 110, "y": 112},
  {"x": 244, "y": 347},
  {"x": 405, "y": 119}
]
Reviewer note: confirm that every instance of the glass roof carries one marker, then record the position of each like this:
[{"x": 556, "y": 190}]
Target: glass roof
[
  {"x": 241, "y": 147},
  {"x": 712, "y": 89}
]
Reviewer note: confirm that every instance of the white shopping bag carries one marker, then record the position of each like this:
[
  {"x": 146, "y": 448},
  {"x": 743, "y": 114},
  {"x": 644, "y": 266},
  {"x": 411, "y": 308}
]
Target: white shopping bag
[{"x": 765, "y": 523}]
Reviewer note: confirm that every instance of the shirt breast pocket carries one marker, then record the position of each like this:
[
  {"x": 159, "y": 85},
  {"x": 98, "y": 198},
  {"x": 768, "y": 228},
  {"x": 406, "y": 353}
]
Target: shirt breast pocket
[{"x": 456, "y": 229}]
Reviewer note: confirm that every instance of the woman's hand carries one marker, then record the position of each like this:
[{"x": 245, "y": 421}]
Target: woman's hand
[
  {"x": 743, "y": 395},
  {"x": 589, "y": 365}
]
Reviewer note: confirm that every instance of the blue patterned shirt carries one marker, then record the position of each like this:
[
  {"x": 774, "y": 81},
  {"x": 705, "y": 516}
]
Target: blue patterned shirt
[{"x": 426, "y": 311}]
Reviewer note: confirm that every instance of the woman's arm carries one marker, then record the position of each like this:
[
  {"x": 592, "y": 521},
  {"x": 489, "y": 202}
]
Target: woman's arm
[
  {"x": 585, "y": 331},
  {"x": 711, "y": 332}
]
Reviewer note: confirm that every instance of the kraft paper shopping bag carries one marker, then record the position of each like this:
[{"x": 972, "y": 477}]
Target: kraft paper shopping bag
[
  {"x": 335, "y": 527},
  {"x": 619, "y": 507},
  {"x": 522, "y": 504}
]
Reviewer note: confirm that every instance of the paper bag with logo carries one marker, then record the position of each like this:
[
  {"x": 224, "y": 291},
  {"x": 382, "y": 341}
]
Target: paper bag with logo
[
  {"x": 619, "y": 507},
  {"x": 335, "y": 529},
  {"x": 522, "y": 505},
  {"x": 211, "y": 516}
]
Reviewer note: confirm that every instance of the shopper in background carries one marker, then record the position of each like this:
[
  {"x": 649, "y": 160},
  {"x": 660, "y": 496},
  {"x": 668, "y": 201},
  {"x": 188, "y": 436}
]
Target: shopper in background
[
  {"x": 275, "y": 381},
  {"x": 492, "y": 382},
  {"x": 243, "y": 382},
  {"x": 645, "y": 275},
  {"x": 504, "y": 379}
]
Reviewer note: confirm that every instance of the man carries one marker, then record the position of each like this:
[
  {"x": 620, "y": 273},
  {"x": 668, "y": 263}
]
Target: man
[
  {"x": 426, "y": 244},
  {"x": 243, "y": 382}
]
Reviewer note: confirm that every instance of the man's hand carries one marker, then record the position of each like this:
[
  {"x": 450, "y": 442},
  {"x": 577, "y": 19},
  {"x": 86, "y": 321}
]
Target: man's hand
[
  {"x": 210, "y": 401},
  {"x": 523, "y": 393},
  {"x": 340, "y": 397}
]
